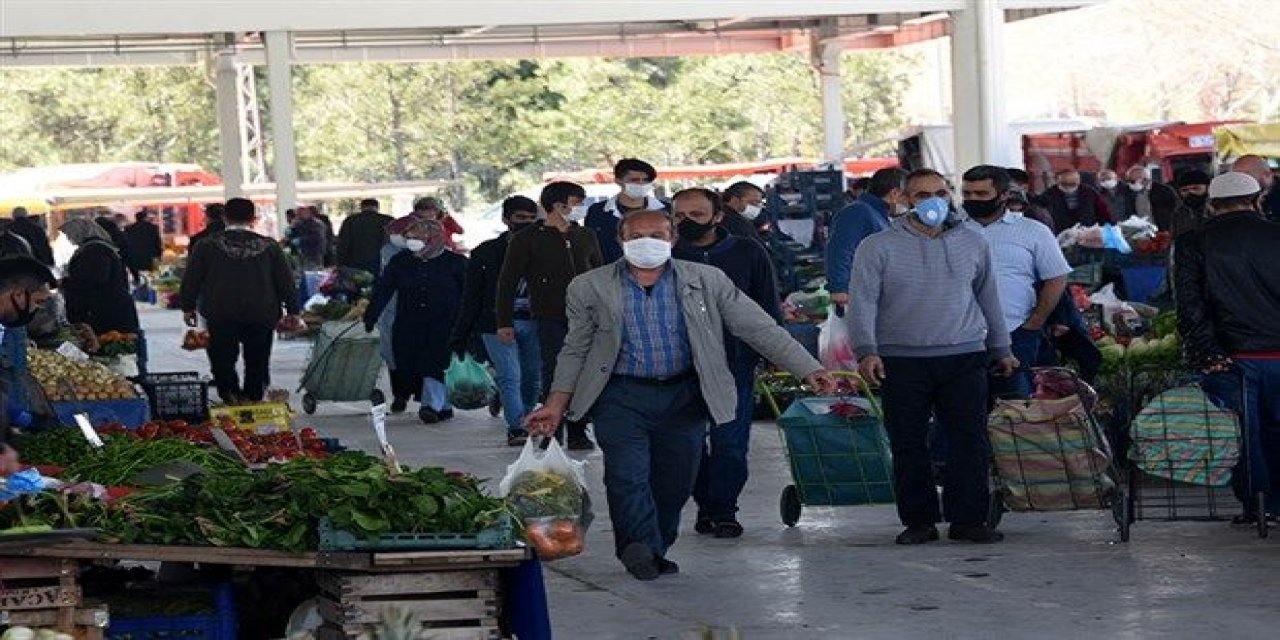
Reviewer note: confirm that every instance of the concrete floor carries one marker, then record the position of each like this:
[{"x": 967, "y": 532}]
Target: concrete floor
[{"x": 838, "y": 575}]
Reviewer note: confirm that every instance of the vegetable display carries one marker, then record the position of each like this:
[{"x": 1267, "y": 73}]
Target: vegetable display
[
  {"x": 195, "y": 340},
  {"x": 114, "y": 344},
  {"x": 121, "y": 459},
  {"x": 67, "y": 380}
]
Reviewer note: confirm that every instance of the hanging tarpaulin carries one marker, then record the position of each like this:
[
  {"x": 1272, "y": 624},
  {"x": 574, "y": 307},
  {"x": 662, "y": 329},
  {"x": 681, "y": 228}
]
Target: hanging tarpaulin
[{"x": 1235, "y": 140}]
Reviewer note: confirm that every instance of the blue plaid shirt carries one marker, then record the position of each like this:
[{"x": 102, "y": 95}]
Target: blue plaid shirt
[{"x": 655, "y": 340}]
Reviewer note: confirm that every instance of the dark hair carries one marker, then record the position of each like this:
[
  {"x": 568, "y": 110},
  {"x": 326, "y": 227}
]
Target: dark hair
[
  {"x": 627, "y": 165},
  {"x": 924, "y": 173},
  {"x": 711, "y": 196},
  {"x": 26, "y": 273},
  {"x": 886, "y": 180},
  {"x": 239, "y": 211},
  {"x": 19, "y": 212},
  {"x": 862, "y": 184},
  {"x": 516, "y": 204},
  {"x": 215, "y": 211},
  {"x": 557, "y": 192},
  {"x": 369, "y": 203},
  {"x": 141, "y": 214},
  {"x": 999, "y": 176},
  {"x": 1018, "y": 175},
  {"x": 740, "y": 190}
]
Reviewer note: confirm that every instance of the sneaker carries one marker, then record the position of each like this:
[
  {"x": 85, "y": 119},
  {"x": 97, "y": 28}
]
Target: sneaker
[
  {"x": 428, "y": 416},
  {"x": 640, "y": 562},
  {"x": 918, "y": 535},
  {"x": 517, "y": 438},
  {"x": 705, "y": 526},
  {"x": 398, "y": 405},
  {"x": 667, "y": 567},
  {"x": 728, "y": 529},
  {"x": 978, "y": 533}
]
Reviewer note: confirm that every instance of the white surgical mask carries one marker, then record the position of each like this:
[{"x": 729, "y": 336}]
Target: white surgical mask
[
  {"x": 415, "y": 245},
  {"x": 1109, "y": 184},
  {"x": 1069, "y": 190},
  {"x": 397, "y": 240},
  {"x": 646, "y": 253},
  {"x": 1137, "y": 186},
  {"x": 638, "y": 190},
  {"x": 577, "y": 214},
  {"x": 752, "y": 211}
]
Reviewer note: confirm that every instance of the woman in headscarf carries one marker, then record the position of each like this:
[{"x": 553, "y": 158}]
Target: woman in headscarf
[
  {"x": 96, "y": 286},
  {"x": 426, "y": 281}
]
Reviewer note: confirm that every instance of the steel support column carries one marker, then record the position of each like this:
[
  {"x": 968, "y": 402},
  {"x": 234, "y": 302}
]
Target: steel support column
[
  {"x": 826, "y": 59},
  {"x": 977, "y": 83},
  {"x": 284, "y": 166},
  {"x": 226, "y": 91}
]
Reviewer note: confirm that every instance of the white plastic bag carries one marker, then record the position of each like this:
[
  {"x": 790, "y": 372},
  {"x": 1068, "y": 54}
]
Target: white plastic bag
[
  {"x": 547, "y": 490},
  {"x": 835, "y": 345}
]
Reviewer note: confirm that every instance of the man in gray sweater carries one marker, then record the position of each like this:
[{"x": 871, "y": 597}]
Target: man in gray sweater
[{"x": 927, "y": 323}]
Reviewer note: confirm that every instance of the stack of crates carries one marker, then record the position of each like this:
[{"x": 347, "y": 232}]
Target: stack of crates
[
  {"x": 177, "y": 396},
  {"x": 814, "y": 196}
]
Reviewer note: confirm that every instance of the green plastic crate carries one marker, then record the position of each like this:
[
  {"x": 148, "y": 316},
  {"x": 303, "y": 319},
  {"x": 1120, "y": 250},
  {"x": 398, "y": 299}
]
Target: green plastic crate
[{"x": 499, "y": 536}]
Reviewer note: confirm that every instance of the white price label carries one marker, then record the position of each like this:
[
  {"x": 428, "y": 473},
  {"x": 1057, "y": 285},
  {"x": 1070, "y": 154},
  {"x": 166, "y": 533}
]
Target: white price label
[
  {"x": 224, "y": 442},
  {"x": 87, "y": 429}
]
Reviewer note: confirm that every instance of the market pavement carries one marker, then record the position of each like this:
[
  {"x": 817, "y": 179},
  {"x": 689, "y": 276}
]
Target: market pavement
[{"x": 838, "y": 574}]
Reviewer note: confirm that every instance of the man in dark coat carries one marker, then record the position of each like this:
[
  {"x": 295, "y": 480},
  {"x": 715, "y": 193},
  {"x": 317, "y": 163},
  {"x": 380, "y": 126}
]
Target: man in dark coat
[
  {"x": 1193, "y": 207},
  {"x": 145, "y": 243},
  {"x": 1071, "y": 203},
  {"x": 362, "y": 237},
  {"x": 743, "y": 204},
  {"x": 32, "y": 230},
  {"x": 309, "y": 238},
  {"x": 118, "y": 239},
  {"x": 213, "y": 223}
]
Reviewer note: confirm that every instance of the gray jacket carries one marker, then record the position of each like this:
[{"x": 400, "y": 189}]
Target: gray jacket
[{"x": 710, "y": 302}]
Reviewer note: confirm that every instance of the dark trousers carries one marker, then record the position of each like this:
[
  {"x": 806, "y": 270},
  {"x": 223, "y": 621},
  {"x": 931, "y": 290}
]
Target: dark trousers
[
  {"x": 551, "y": 334},
  {"x": 955, "y": 389},
  {"x": 1026, "y": 348},
  {"x": 652, "y": 439},
  {"x": 1258, "y": 405},
  {"x": 225, "y": 342},
  {"x": 723, "y": 472}
]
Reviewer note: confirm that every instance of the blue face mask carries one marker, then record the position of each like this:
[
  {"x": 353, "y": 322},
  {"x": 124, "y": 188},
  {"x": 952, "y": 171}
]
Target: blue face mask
[{"x": 933, "y": 212}]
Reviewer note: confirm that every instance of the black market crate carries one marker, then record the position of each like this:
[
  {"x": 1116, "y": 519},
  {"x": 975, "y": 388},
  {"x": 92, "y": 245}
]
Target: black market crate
[
  {"x": 177, "y": 396},
  {"x": 218, "y": 624}
]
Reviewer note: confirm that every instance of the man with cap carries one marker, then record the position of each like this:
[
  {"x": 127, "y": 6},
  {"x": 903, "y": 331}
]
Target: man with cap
[
  {"x": 1227, "y": 290},
  {"x": 30, "y": 229},
  {"x": 1257, "y": 167},
  {"x": 1193, "y": 192}
]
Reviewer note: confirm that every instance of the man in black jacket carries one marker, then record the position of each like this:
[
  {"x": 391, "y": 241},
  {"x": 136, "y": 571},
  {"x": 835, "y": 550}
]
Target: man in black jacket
[
  {"x": 1227, "y": 288},
  {"x": 108, "y": 224},
  {"x": 1071, "y": 203},
  {"x": 32, "y": 230},
  {"x": 362, "y": 237},
  {"x": 145, "y": 243},
  {"x": 213, "y": 223},
  {"x": 703, "y": 238},
  {"x": 240, "y": 280},
  {"x": 743, "y": 204},
  {"x": 517, "y": 364}
]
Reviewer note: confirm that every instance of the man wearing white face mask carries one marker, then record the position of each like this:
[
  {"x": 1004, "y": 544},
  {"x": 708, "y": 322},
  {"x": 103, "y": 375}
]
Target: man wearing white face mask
[
  {"x": 743, "y": 204},
  {"x": 1114, "y": 193},
  {"x": 547, "y": 257},
  {"x": 635, "y": 182},
  {"x": 645, "y": 358}
]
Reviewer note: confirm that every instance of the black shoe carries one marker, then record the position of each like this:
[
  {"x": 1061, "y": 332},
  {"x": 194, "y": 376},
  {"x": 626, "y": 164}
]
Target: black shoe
[
  {"x": 580, "y": 443},
  {"x": 517, "y": 438},
  {"x": 428, "y": 416},
  {"x": 667, "y": 567},
  {"x": 640, "y": 561},
  {"x": 495, "y": 406},
  {"x": 918, "y": 535},
  {"x": 728, "y": 529},
  {"x": 445, "y": 414},
  {"x": 979, "y": 533},
  {"x": 705, "y": 526},
  {"x": 398, "y": 405}
]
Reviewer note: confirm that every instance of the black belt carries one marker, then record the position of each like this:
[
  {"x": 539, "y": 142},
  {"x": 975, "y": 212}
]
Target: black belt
[{"x": 658, "y": 382}]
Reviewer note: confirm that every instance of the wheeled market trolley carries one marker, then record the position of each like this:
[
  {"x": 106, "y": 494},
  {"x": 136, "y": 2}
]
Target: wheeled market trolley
[
  {"x": 344, "y": 366},
  {"x": 1184, "y": 453},
  {"x": 1052, "y": 455},
  {"x": 834, "y": 460}
]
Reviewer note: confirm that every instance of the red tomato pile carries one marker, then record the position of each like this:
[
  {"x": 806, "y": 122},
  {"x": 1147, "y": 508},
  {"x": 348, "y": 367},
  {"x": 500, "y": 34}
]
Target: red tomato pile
[{"x": 256, "y": 447}]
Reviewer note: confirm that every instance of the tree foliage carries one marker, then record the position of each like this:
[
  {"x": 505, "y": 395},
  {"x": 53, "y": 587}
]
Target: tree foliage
[{"x": 492, "y": 126}]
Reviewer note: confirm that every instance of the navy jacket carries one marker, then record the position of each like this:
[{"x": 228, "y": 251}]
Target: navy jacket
[
  {"x": 867, "y": 215},
  {"x": 603, "y": 218},
  {"x": 747, "y": 264}
]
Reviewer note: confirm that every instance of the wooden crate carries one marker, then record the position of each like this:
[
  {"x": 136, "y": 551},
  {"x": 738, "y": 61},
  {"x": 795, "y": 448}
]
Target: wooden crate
[
  {"x": 451, "y": 605},
  {"x": 44, "y": 592}
]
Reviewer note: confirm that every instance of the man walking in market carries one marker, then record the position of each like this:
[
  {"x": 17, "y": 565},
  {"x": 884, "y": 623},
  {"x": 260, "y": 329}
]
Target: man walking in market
[
  {"x": 635, "y": 180},
  {"x": 517, "y": 364},
  {"x": 1031, "y": 272},
  {"x": 1227, "y": 290},
  {"x": 547, "y": 257},
  {"x": 361, "y": 238},
  {"x": 927, "y": 325},
  {"x": 702, "y": 238},
  {"x": 645, "y": 359},
  {"x": 145, "y": 243},
  {"x": 743, "y": 204},
  {"x": 869, "y": 214},
  {"x": 239, "y": 281}
]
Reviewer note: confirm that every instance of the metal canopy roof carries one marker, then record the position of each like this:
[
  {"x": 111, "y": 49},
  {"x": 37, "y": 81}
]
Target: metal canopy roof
[{"x": 185, "y": 32}]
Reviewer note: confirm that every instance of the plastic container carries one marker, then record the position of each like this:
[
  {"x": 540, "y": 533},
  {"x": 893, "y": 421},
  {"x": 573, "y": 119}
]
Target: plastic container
[
  {"x": 267, "y": 417},
  {"x": 177, "y": 396},
  {"x": 218, "y": 625},
  {"x": 499, "y": 536}
]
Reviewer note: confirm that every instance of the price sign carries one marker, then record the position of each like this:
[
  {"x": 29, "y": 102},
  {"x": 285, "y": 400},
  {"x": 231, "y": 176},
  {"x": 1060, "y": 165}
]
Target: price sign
[
  {"x": 224, "y": 442},
  {"x": 87, "y": 429},
  {"x": 378, "y": 415}
]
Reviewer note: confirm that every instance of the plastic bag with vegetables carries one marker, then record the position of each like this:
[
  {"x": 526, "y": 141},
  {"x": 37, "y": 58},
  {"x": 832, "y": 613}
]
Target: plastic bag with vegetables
[{"x": 547, "y": 491}]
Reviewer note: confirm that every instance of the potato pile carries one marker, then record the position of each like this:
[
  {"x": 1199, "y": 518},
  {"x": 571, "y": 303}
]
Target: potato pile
[{"x": 90, "y": 380}]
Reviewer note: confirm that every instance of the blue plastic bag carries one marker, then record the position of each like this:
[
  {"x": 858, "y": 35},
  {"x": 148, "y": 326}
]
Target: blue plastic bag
[
  {"x": 21, "y": 483},
  {"x": 1112, "y": 238}
]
